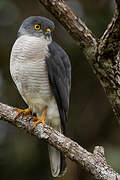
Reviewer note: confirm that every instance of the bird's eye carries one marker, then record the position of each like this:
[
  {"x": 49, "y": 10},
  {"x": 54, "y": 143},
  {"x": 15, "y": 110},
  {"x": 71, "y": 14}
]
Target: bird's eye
[
  {"x": 48, "y": 30},
  {"x": 37, "y": 27}
]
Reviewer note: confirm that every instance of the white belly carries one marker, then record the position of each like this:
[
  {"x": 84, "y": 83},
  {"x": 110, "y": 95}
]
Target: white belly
[{"x": 28, "y": 70}]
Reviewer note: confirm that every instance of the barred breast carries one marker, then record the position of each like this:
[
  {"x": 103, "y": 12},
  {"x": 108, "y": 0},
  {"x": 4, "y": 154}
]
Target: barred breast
[{"x": 28, "y": 70}]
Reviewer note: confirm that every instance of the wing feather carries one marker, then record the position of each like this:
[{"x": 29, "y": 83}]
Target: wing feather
[{"x": 59, "y": 73}]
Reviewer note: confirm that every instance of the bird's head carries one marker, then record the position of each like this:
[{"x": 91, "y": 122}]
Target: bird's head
[{"x": 36, "y": 26}]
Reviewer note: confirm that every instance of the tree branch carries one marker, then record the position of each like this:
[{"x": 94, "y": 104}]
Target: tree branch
[
  {"x": 94, "y": 162},
  {"x": 104, "y": 59},
  {"x": 108, "y": 58},
  {"x": 74, "y": 25},
  {"x": 102, "y": 55}
]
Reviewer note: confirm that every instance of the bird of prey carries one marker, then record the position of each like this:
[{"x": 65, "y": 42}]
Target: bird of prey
[{"x": 41, "y": 71}]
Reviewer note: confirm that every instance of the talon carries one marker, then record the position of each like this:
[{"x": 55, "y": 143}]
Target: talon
[
  {"x": 21, "y": 111},
  {"x": 40, "y": 120},
  {"x": 34, "y": 118}
]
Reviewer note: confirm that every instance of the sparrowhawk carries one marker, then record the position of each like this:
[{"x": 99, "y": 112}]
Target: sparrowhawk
[{"x": 41, "y": 71}]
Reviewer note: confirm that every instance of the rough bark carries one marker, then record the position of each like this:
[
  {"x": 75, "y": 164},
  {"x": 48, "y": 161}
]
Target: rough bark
[
  {"x": 108, "y": 66},
  {"x": 100, "y": 54},
  {"x": 94, "y": 162},
  {"x": 104, "y": 58},
  {"x": 73, "y": 24}
]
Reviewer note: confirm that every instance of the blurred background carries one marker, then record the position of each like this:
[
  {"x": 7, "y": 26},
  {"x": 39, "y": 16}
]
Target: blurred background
[{"x": 91, "y": 121}]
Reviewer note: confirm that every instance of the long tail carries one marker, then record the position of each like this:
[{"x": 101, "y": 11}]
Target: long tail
[{"x": 57, "y": 162}]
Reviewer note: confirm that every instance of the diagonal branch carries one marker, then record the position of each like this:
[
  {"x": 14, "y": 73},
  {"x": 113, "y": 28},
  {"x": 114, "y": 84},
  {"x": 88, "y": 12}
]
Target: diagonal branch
[
  {"x": 102, "y": 55},
  {"x": 104, "y": 58},
  {"x": 94, "y": 162},
  {"x": 108, "y": 57},
  {"x": 74, "y": 25}
]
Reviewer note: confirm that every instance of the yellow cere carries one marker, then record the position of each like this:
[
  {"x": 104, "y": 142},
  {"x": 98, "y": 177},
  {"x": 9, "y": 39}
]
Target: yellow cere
[
  {"x": 37, "y": 27},
  {"x": 48, "y": 30}
]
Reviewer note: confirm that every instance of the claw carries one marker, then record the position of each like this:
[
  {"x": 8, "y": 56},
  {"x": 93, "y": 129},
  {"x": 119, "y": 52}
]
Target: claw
[
  {"x": 21, "y": 111},
  {"x": 41, "y": 119}
]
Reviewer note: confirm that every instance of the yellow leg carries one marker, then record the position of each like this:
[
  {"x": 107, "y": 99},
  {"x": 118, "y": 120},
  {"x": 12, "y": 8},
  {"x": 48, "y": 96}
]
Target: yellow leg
[
  {"x": 41, "y": 119},
  {"x": 21, "y": 111}
]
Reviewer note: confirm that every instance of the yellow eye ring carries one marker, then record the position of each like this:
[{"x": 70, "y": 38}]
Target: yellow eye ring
[{"x": 37, "y": 27}]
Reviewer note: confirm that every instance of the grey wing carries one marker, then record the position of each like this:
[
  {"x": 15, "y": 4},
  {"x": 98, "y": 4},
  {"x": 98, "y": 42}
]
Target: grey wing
[{"x": 59, "y": 73}]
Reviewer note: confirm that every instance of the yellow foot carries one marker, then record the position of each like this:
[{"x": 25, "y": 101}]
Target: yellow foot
[
  {"x": 21, "y": 111},
  {"x": 41, "y": 119}
]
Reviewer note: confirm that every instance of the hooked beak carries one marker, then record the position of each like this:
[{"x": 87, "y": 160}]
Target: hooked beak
[{"x": 48, "y": 32}]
